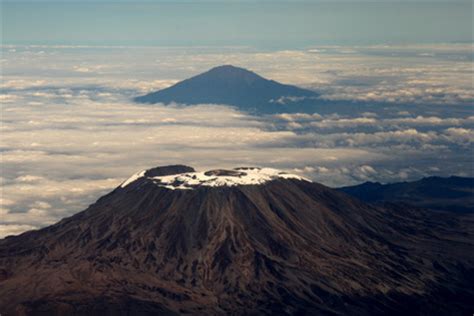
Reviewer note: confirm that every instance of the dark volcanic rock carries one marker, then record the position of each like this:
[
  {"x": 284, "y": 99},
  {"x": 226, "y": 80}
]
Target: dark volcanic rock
[
  {"x": 219, "y": 172},
  {"x": 232, "y": 86},
  {"x": 284, "y": 247},
  {"x": 168, "y": 170}
]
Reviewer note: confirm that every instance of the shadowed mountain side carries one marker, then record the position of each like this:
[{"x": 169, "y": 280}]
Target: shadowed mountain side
[
  {"x": 454, "y": 194},
  {"x": 285, "y": 246}
]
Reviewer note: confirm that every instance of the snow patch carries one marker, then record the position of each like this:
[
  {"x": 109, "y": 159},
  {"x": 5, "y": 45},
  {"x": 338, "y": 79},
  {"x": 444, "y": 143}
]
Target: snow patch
[
  {"x": 216, "y": 178},
  {"x": 133, "y": 178}
]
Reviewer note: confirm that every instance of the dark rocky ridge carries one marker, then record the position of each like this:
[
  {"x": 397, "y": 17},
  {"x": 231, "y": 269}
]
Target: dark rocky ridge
[
  {"x": 168, "y": 170},
  {"x": 284, "y": 247},
  {"x": 453, "y": 194},
  {"x": 220, "y": 172}
]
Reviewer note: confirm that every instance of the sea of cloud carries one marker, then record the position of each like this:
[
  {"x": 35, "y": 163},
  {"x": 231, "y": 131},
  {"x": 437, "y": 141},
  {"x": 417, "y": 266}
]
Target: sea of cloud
[{"x": 70, "y": 133}]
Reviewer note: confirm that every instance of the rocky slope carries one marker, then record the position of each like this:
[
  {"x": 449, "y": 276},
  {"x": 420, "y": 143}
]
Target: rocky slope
[{"x": 246, "y": 241}]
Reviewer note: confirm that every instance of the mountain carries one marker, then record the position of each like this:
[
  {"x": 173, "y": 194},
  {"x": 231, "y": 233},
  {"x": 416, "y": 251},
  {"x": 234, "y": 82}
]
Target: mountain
[
  {"x": 232, "y": 86},
  {"x": 246, "y": 241},
  {"x": 455, "y": 194}
]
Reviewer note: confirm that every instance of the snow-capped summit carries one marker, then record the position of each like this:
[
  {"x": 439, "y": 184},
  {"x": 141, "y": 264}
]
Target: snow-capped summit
[{"x": 187, "y": 179}]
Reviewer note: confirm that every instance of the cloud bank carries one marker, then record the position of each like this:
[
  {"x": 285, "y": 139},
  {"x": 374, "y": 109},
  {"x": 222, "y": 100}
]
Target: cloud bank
[{"x": 69, "y": 132}]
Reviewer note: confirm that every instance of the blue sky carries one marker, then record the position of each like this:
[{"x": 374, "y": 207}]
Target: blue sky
[{"x": 282, "y": 25}]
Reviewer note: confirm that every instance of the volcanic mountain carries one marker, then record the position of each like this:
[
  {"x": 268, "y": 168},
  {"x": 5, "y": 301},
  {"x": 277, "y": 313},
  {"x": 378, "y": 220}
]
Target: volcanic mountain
[
  {"x": 245, "y": 241},
  {"x": 454, "y": 194},
  {"x": 231, "y": 86}
]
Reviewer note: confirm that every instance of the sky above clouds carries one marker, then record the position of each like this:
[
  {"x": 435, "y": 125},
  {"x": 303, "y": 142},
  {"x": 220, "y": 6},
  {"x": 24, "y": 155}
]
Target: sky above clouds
[
  {"x": 70, "y": 132},
  {"x": 263, "y": 24}
]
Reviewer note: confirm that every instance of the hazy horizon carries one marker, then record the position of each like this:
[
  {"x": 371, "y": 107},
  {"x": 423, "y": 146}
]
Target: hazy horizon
[{"x": 263, "y": 25}]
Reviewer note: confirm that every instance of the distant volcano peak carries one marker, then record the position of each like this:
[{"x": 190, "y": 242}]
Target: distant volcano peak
[
  {"x": 231, "y": 69},
  {"x": 232, "y": 72},
  {"x": 229, "y": 85}
]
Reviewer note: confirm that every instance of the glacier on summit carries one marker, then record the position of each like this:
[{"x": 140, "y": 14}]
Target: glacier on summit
[{"x": 215, "y": 178}]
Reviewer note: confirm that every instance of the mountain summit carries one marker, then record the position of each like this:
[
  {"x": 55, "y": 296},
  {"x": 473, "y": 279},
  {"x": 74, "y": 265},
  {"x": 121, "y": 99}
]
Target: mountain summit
[
  {"x": 186, "y": 178},
  {"x": 245, "y": 241},
  {"x": 228, "y": 85}
]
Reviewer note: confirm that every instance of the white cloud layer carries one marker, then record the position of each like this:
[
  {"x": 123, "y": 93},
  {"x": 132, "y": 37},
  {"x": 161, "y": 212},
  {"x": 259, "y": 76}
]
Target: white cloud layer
[{"x": 70, "y": 134}]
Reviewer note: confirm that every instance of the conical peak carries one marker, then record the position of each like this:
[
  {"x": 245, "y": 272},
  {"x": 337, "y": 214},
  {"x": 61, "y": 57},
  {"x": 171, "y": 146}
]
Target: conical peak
[
  {"x": 232, "y": 73},
  {"x": 228, "y": 85},
  {"x": 230, "y": 69}
]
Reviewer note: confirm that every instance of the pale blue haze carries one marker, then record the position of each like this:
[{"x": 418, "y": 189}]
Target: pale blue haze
[{"x": 287, "y": 25}]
